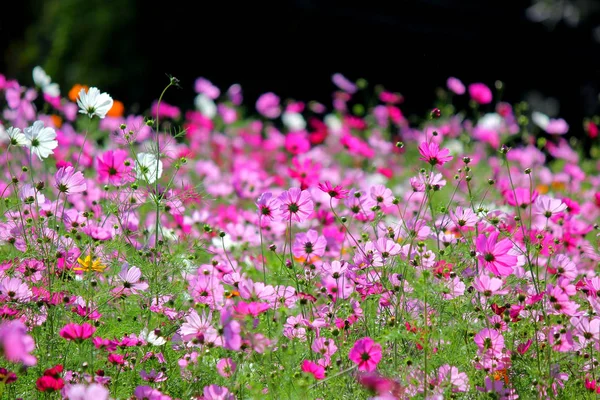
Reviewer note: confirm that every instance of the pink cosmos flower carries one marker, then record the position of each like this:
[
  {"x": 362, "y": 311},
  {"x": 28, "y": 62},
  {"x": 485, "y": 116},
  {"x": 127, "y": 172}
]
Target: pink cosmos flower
[
  {"x": 111, "y": 167},
  {"x": 458, "y": 381},
  {"x": 16, "y": 344},
  {"x": 366, "y": 353},
  {"x": 153, "y": 376},
  {"x": 268, "y": 206},
  {"x": 309, "y": 245},
  {"x": 149, "y": 393},
  {"x": 297, "y": 142},
  {"x": 69, "y": 181},
  {"x": 337, "y": 192},
  {"x": 343, "y": 83},
  {"x": 130, "y": 278},
  {"x": 324, "y": 346},
  {"x": 489, "y": 340},
  {"x": 455, "y": 85},
  {"x": 432, "y": 153},
  {"x": 493, "y": 254},
  {"x": 14, "y": 289},
  {"x": 463, "y": 218},
  {"x": 83, "y": 392},
  {"x": 268, "y": 105},
  {"x": 226, "y": 367},
  {"x": 215, "y": 392},
  {"x": 520, "y": 197},
  {"x": 314, "y": 369},
  {"x": 77, "y": 333},
  {"x": 480, "y": 93},
  {"x": 195, "y": 325},
  {"x": 382, "y": 195},
  {"x": 204, "y": 86},
  {"x": 547, "y": 206},
  {"x": 296, "y": 205},
  {"x": 489, "y": 286}
]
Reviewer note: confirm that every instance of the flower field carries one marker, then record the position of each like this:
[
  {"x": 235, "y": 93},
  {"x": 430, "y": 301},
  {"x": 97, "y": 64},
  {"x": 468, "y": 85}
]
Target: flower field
[{"x": 284, "y": 249}]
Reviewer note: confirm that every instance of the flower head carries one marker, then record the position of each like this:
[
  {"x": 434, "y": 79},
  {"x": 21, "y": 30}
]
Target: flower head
[
  {"x": 69, "y": 181},
  {"x": 148, "y": 167},
  {"x": 366, "y": 353},
  {"x": 40, "y": 140},
  {"x": 77, "y": 333},
  {"x": 88, "y": 264},
  {"x": 94, "y": 103},
  {"x": 296, "y": 205}
]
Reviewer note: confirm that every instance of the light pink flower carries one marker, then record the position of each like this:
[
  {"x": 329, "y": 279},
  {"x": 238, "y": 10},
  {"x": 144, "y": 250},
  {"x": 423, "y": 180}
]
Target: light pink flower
[
  {"x": 16, "y": 344},
  {"x": 226, "y": 367},
  {"x": 69, "y": 181},
  {"x": 83, "y": 392},
  {"x": 296, "y": 205},
  {"x": 455, "y": 85},
  {"x": 268, "y": 105}
]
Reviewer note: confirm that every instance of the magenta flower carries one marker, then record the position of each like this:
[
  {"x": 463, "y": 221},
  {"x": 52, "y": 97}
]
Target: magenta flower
[
  {"x": 337, "y": 192},
  {"x": 366, "y": 354},
  {"x": 268, "y": 105},
  {"x": 296, "y": 205},
  {"x": 480, "y": 93},
  {"x": 111, "y": 167},
  {"x": 77, "y": 333},
  {"x": 493, "y": 254},
  {"x": 432, "y": 153},
  {"x": 16, "y": 344},
  {"x": 69, "y": 181},
  {"x": 153, "y": 376},
  {"x": 314, "y": 369},
  {"x": 520, "y": 197}
]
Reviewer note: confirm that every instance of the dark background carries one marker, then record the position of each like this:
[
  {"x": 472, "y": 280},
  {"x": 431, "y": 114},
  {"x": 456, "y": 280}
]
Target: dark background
[{"x": 292, "y": 48}]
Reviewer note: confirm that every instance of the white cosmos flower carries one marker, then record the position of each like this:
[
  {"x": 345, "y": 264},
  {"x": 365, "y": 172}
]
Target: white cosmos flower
[
  {"x": 293, "y": 121},
  {"x": 40, "y": 77},
  {"x": 94, "y": 103},
  {"x": 145, "y": 167},
  {"x": 43, "y": 80},
  {"x": 17, "y": 138},
  {"x": 151, "y": 337},
  {"x": 206, "y": 105},
  {"x": 41, "y": 140}
]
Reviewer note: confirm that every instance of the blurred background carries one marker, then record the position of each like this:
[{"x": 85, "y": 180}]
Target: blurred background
[{"x": 545, "y": 51}]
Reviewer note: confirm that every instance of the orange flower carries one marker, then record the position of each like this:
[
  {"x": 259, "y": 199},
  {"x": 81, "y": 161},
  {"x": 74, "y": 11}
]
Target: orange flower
[
  {"x": 116, "y": 110},
  {"x": 501, "y": 374},
  {"x": 56, "y": 120},
  {"x": 74, "y": 92}
]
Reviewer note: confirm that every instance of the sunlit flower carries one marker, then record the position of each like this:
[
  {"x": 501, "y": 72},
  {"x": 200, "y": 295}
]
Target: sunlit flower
[
  {"x": 93, "y": 102},
  {"x": 88, "y": 264},
  {"x": 16, "y": 136},
  {"x": 40, "y": 140},
  {"x": 148, "y": 167}
]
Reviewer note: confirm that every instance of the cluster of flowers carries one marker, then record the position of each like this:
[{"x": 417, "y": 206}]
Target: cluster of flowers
[{"x": 303, "y": 249}]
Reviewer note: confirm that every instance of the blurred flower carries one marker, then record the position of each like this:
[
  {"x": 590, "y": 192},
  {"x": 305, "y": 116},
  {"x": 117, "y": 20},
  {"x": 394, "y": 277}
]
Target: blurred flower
[{"x": 148, "y": 167}]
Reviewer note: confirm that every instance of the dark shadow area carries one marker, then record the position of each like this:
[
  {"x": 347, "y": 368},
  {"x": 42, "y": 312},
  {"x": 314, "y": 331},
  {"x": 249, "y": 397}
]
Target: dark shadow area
[{"x": 293, "y": 47}]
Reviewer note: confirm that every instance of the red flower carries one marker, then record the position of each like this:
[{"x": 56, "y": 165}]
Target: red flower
[{"x": 49, "y": 384}]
